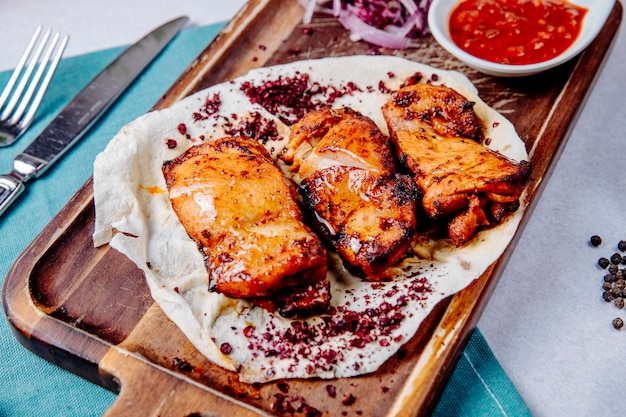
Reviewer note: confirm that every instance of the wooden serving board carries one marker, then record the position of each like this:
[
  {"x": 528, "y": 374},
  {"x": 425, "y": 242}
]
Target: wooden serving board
[{"x": 89, "y": 310}]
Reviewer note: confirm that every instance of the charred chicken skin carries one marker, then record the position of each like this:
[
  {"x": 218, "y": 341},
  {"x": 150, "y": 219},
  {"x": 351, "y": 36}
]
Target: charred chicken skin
[
  {"x": 351, "y": 190},
  {"x": 438, "y": 137},
  {"x": 236, "y": 204}
]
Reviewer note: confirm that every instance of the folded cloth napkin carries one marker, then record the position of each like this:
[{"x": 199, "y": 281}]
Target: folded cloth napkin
[{"x": 29, "y": 385}]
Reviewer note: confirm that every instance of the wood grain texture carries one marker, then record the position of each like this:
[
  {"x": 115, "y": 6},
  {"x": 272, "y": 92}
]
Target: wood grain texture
[{"x": 90, "y": 311}]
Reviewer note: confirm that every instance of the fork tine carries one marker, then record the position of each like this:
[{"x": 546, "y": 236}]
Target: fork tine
[
  {"x": 19, "y": 90},
  {"x": 48, "y": 66},
  {"x": 18, "y": 69},
  {"x": 18, "y": 104}
]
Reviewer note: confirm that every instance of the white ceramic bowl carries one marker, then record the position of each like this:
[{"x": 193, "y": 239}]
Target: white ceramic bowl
[{"x": 597, "y": 14}]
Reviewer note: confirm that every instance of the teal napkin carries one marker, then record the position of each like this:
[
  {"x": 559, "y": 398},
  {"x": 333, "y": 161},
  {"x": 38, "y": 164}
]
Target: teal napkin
[{"x": 29, "y": 385}]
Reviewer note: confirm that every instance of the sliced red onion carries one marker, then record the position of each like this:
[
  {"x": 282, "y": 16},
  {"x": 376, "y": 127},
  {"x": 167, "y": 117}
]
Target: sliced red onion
[
  {"x": 313, "y": 6},
  {"x": 410, "y": 6},
  {"x": 361, "y": 30},
  {"x": 412, "y": 22},
  {"x": 336, "y": 7},
  {"x": 404, "y": 18}
]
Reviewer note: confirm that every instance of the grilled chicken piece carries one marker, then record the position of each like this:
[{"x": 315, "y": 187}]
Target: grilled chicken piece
[
  {"x": 438, "y": 137},
  {"x": 463, "y": 226},
  {"x": 349, "y": 186},
  {"x": 236, "y": 204},
  {"x": 316, "y": 142},
  {"x": 368, "y": 218}
]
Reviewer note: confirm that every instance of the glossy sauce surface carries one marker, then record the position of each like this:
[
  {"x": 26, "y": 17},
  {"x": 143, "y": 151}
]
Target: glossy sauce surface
[{"x": 515, "y": 32}]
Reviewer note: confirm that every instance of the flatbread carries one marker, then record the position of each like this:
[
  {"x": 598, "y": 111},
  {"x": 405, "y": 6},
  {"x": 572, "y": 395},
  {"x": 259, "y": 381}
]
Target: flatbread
[{"x": 368, "y": 322}]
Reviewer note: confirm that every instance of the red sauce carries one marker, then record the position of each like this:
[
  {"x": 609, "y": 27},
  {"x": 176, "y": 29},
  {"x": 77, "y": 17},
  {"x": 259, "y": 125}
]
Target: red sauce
[{"x": 515, "y": 32}]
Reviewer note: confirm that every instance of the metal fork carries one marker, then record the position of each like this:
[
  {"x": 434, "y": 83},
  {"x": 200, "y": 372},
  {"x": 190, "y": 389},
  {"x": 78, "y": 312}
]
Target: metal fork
[{"x": 25, "y": 90}]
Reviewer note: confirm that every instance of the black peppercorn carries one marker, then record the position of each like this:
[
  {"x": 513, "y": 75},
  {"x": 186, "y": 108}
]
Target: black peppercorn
[
  {"x": 614, "y": 285},
  {"x": 603, "y": 262}
]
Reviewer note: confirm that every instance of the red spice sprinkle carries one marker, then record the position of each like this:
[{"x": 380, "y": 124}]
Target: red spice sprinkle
[
  {"x": 281, "y": 406},
  {"x": 487, "y": 141},
  {"x": 290, "y": 98},
  {"x": 182, "y": 365},
  {"x": 358, "y": 343},
  {"x": 308, "y": 30},
  {"x": 309, "y": 411},
  {"x": 285, "y": 405},
  {"x": 171, "y": 143},
  {"x": 210, "y": 107},
  {"x": 248, "y": 331},
  {"x": 351, "y": 329},
  {"x": 254, "y": 126},
  {"x": 331, "y": 390},
  {"x": 349, "y": 400},
  {"x": 262, "y": 47},
  {"x": 412, "y": 80},
  {"x": 283, "y": 387},
  {"x": 383, "y": 88},
  {"x": 226, "y": 348},
  {"x": 182, "y": 128}
]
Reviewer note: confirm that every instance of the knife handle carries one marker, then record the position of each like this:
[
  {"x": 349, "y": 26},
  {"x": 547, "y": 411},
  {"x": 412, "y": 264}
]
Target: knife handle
[{"x": 10, "y": 188}]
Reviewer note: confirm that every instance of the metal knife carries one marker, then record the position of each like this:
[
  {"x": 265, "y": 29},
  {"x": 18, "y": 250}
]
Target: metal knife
[{"x": 84, "y": 109}]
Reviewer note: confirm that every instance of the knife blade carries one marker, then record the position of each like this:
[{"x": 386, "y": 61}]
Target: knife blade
[{"x": 83, "y": 110}]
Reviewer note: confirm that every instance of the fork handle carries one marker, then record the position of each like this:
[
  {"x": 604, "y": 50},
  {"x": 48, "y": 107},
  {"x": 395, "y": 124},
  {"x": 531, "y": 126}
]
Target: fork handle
[{"x": 10, "y": 188}]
